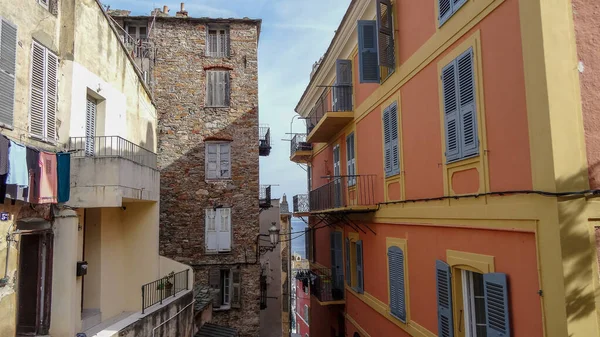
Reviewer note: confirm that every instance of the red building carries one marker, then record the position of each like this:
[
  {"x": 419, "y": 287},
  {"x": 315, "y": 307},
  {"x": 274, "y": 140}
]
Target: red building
[{"x": 302, "y": 306}]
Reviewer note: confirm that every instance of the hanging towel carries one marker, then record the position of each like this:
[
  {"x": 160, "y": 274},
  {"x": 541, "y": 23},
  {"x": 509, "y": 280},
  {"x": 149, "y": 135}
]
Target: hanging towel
[
  {"x": 33, "y": 165},
  {"x": 17, "y": 162},
  {"x": 4, "y": 145},
  {"x": 48, "y": 183},
  {"x": 64, "y": 176}
]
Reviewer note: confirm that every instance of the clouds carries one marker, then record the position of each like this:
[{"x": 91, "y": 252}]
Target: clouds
[{"x": 295, "y": 34}]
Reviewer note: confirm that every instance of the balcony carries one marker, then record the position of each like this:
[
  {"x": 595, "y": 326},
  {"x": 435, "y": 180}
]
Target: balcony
[
  {"x": 301, "y": 150},
  {"x": 332, "y": 112},
  {"x": 344, "y": 193},
  {"x": 327, "y": 287},
  {"x": 264, "y": 141},
  {"x": 301, "y": 205},
  {"x": 106, "y": 170},
  {"x": 264, "y": 197}
]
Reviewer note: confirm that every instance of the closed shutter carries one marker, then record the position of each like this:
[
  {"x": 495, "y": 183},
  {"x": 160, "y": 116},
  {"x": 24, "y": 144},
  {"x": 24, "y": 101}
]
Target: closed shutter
[
  {"x": 337, "y": 271},
  {"x": 387, "y": 142},
  {"x": 8, "y": 57},
  {"x": 38, "y": 71},
  {"x": 444, "y": 299},
  {"x": 211, "y": 224},
  {"x": 210, "y": 88},
  {"x": 226, "y": 88},
  {"x": 214, "y": 281},
  {"x": 444, "y": 10},
  {"x": 496, "y": 305},
  {"x": 348, "y": 271},
  {"x": 396, "y": 279},
  {"x": 367, "y": 52},
  {"x": 351, "y": 161},
  {"x": 360, "y": 287},
  {"x": 224, "y": 161},
  {"x": 307, "y": 244},
  {"x": 224, "y": 229},
  {"x": 386, "y": 33},
  {"x": 343, "y": 72},
  {"x": 51, "y": 96},
  {"x": 451, "y": 113},
  {"x": 90, "y": 126},
  {"x": 394, "y": 140},
  {"x": 212, "y": 161},
  {"x": 466, "y": 99},
  {"x": 236, "y": 284}
]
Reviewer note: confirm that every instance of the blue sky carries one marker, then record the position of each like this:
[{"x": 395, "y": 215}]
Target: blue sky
[{"x": 295, "y": 33}]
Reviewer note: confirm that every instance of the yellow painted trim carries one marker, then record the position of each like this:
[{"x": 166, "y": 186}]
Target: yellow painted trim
[
  {"x": 328, "y": 115},
  {"x": 347, "y": 209},
  {"x": 478, "y": 263},
  {"x": 353, "y": 236},
  {"x": 362, "y": 331},
  {"x": 593, "y": 224},
  {"x": 412, "y": 328},
  {"x": 402, "y": 244},
  {"x": 316, "y": 265},
  {"x": 329, "y": 302},
  {"x": 298, "y": 156}
]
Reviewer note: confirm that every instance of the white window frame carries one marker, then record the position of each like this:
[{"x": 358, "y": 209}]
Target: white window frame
[
  {"x": 469, "y": 304},
  {"x": 220, "y": 175},
  {"x": 216, "y": 228},
  {"x": 45, "y": 137},
  {"x": 221, "y": 35}
]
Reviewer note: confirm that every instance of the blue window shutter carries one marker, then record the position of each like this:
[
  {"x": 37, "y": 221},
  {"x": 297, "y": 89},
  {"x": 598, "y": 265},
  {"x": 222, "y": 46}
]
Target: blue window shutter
[
  {"x": 444, "y": 299},
  {"x": 451, "y": 113},
  {"x": 367, "y": 52},
  {"x": 469, "y": 141},
  {"x": 343, "y": 72},
  {"x": 394, "y": 138},
  {"x": 387, "y": 143},
  {"x": 348, "y": 273},
  {"x": 444, "y": 10},
  {"x": 360, "y": 287},
  {"x": 396, "y": 280},
  {"x": 497, "y": 317}
]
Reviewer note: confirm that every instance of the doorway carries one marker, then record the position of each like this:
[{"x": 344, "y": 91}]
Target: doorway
[{"x": 34, "y": 283}]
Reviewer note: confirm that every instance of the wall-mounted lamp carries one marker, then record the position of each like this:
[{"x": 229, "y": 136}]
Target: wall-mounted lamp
[{"x": 273, "y": 237}]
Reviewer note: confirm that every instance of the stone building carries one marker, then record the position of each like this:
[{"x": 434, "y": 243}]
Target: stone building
[{"x": 204, "y": 76}]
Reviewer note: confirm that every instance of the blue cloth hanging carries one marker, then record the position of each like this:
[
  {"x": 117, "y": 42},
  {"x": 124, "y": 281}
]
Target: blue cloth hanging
[{"x": 63, "y": 163}]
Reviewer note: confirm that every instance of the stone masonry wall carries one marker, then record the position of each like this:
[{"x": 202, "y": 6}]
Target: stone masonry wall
[{"x": 184, "y": 124}]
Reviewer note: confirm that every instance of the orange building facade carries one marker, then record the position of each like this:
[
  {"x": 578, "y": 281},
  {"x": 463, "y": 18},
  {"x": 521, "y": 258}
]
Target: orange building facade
[{"x": 452, "y": 148}]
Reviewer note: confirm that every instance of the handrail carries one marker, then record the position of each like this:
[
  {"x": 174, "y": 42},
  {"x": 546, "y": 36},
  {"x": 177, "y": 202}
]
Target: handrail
[
  {"x": 299, "y": 144},
  {"x": 344, "y": 191},
  {"x": 301, "y": 204},
  {"x": 111, "y": 146},
  {"x": 340, "y": 100},
  {"x": 170, "y": 285},
  {"x": 324, "y": 287}
]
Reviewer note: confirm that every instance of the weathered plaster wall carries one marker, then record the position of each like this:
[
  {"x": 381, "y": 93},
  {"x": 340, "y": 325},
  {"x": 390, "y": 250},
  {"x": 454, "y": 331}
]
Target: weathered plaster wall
[{"x": 8, "y": 295}]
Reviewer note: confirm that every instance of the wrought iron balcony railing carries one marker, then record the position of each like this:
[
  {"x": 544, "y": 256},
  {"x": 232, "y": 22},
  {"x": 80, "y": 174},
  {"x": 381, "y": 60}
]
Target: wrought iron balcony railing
[
  {"x": 264, "y": 196},
  {"x": 299, "y": 144},
  {"x": 336, "y": 98},
  {"x": 111, "y": 146},
  {"x": 327, "y": 286},
  {"x": 264, "y": 140},
  {"x": 301, "y": 204},
  {"x": 170, "y": 285},
  {"x": 344, "y": 191}
]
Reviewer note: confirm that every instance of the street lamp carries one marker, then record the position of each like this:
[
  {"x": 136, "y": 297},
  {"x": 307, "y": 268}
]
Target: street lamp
[
  {"x": 273, "y": 238},
  {"x": 274, "y": 234}
]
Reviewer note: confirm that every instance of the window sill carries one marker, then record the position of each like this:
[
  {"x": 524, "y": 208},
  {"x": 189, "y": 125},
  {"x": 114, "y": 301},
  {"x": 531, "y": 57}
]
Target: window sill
[
  {"x": 223, "y": 308},
  {"x": 463, "y": 161},
  {"x": 218, "y": 253},
  {"x": 217, "y": 106},
  {"x": 393, "y": 175},
  {"x": 224, "y": 180}
]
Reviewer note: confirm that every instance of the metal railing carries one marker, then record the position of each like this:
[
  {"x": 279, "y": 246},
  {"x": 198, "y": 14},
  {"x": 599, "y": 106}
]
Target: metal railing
[
  {"x": 111, "y": 146},
  {"x": 139, "y": 47},
  {"x": 339, "y": 100},
  {"x": 301, "y": 204},
  {"x": 170, "y": 285},
  {"x": 299, "y": 144},
  {"x": 326, "y": 286},
  {"x": 344, "y": 191},
  {"x": 264, "y": 196},
  {"x": 217, "y": 45},
  {"x": 264, "y": 140}
]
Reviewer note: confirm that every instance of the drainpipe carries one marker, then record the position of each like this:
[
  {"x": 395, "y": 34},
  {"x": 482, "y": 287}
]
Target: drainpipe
[{"x": 163, "y": 323}]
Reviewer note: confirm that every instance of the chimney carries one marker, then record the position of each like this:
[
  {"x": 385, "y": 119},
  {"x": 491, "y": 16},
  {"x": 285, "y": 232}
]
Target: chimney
[
  {"x": 182, "y": 13},
  {"x": 166, "y": 9}
]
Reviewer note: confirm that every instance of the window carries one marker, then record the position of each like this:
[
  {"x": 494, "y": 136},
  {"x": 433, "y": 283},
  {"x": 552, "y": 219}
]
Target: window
[
  {"x": 447, "y": 8},
  {"x": 308, "y": 244},
  {"x": 337, "y": 260},
  {"x": 217, "y": 88},
  {"x": 397, "y": 280},
  {"x": 226, "y": 288},
  {"x": 217, "y": 44},
  {"x": 8, "y": 61},
  {"x": 44, "y": 85},
  {"x": 368, "y": 63},
  {"x": 391, "y": 140},
  {"x": 218, "y": 160},
  {"x": 218, "y": 230},
  {"x": 351, "y": 160},
  {"x": 354, "y": 263},
  {"x": 306, "y": 313},
  {"x": 474, "y": 304},
  {"x": 460, "y": 117},
  {"x": 385, "y": 26}
]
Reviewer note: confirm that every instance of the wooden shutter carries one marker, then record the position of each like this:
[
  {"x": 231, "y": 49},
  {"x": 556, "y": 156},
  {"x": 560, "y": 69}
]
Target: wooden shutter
[
  {"x": 348, "y": 271},
  {"x": 307, "y": 244},
  {"x": 211, "y": 223},
  {"x": 51, "y": 95},
  {"x": 214, "y": 281},
  {"x": 224, "y": 161},
  {"x": 212, "y": 161},
  {"x": 451, "y": 114},
  {"x": 224, "y": 229},
  {"x": 367, "y": 52},
  {"x": 236, "y": 284},
  {"x": 386, "y": 33},
  {"x": 387, "y": 142},
  {"x": 466, "y": 97},
  {"x": 337, "y": 257},
  {"x": 343, "y": 72},
  {"x": 226, "y": 88},
  {"x": 8, "y": 58},
  {"x": 360, "y": 286},
  {"x": 38, "y": 94},
  {"x": 497, "y": 316},
  {"x": 350, "y": 160},
  {"x": 90, "y": 126},
  {"x": 396, "y": 280},
  {"x": 444, "y": 299},
  {"x": 394, "y": 139}
]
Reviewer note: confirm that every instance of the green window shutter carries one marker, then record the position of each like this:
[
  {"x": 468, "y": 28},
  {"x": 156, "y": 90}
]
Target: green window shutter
[
  {"x": 236, "y": 283},
  {"x": 368, "y": 62},
  {"x": 387, "y": 142},
  {"x": 386, "y": 33},
  {"x": 394, "y": 139},
  {"x": 348, "y": 271},
  {"x": 8, "y": 59},
  {"x": 444, "y": 299},
  {"x": 360, "y": 286},
  {"x": 497, "y": 314},
  {"x": 396, "y": 280},
  {"x": 469, "y": 141},
  {"x": 451, "y": 112}
]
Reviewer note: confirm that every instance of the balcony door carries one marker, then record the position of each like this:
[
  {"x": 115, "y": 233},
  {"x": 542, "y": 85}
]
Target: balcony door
[{"x": 337, "y": 180}]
